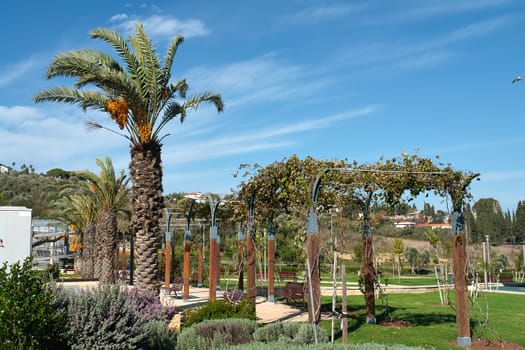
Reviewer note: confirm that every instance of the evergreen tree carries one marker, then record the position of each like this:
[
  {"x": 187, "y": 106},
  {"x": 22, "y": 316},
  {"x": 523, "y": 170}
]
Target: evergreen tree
[
  {"x": 519, "y": 223},
  {"x": 488, "y": 220}
]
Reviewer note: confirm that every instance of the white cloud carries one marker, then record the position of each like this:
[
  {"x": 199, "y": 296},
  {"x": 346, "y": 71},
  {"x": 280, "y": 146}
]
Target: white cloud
[
  {"x": 161, "y": 26},
  {"x": 16, "y": 115},
  {"x": 118, "y": 17},
  {"x": 55, "y": 136}
]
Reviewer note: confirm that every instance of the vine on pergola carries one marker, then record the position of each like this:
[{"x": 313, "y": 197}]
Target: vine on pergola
[{"x": 287, "y": 186}]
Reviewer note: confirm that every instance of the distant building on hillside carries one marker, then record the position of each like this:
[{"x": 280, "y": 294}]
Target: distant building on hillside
[
  {"x": 403, "y": 224},
  {"x": 4, "y": 168},
  {"x": 197, "y": 196},
  {"x": 435, "y": 226}
]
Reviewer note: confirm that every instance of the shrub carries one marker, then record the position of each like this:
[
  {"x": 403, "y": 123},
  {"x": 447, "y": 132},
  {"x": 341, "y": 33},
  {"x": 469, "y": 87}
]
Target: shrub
[
  {"x": 146, "y": 304},
  {"x": 158, "y": 336},
  {"x": 213, "y": 334},
  {"x": 289, "y": 333},
  {"x": 29, "y": 314},
  {"x": 219, "y": 309},
  {"x": 326, "y": 346},
  {"x": 102, "y": 318}
]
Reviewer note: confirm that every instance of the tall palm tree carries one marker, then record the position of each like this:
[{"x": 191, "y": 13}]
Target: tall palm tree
[
  {"x": 111, "y": 195},
  {"x": 140, "y": 98}
]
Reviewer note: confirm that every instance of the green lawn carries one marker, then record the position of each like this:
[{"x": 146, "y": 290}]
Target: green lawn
[{"x": 434, "y": 325}]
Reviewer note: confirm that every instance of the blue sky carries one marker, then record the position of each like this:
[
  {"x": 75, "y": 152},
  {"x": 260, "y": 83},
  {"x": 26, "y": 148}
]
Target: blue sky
[{"x": 333, "y": 80}]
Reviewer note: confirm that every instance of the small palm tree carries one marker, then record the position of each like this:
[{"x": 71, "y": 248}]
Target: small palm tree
[
  {"x": 141, "y": 99},
  {"x": 111, "y": 195},
  {"x": 81, "y": 211}
]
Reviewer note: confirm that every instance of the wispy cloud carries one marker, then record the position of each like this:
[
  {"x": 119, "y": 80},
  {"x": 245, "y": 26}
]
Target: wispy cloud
[
  {"x": 401, "y": 56},
  {"x": 259, "y": 80},
  {"x": 502, "y": 176},
  {"x": 161, "y": 27},
  {"x": 322, "y": 13},
  {"x": 257, "y": 140},
  {"x": 13, "y": 72},
  {"x": 420, "y": 10}
]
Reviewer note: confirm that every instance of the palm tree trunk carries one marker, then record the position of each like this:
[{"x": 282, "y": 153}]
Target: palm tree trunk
[
  {"x": 88, "y": 251},
  {"x": 108, "y": 233},
  {"x": 146, "y": 176}
]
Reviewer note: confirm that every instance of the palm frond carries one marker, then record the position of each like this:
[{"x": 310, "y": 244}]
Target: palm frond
[
  {"x": 194, "y": 102},
  {"x": 152, "y": 72},
  {"x": 114, "y": 39},
  {"x": 170, "y": 57},
  {"x": 93, "y": 125},
  {"x": 86, "y": 99},
  {"x": 80, "y": 62}
]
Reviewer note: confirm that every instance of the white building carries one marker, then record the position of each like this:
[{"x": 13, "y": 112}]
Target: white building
[{"x": 15, "y": 234}]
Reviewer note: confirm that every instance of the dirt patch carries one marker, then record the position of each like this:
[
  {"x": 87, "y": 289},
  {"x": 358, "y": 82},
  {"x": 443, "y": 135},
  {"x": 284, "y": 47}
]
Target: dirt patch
[
  {"x": 487, "y": 344},
  {"x": 395, "y": 324}
]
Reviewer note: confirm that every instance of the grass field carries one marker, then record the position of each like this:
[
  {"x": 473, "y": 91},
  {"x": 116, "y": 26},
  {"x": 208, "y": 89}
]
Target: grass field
[{"x": 431, "y": 324}]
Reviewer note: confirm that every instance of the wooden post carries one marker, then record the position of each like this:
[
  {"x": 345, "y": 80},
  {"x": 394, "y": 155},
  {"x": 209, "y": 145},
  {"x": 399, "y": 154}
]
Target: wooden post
[
  {"x": 314, "y": 288},
  {"x": 167, "y": 260},
  {"x": 186, "y": 265},
  {"x": 201, "y": 260},
  {"x": 368, "y": 274},
  {"x": 212, "y": 269},
  {"x": 167, "y": 253},
  {"x": 200, "y": 267},
  {"x": 124, "y": 277},
  {"x": 459, "y": 251},
  {"x": 218, "y": 262},
  {"x": 250, "y": 251},
  {"x": 344, "y": 308},
  {"x": 214, "y": 233},
  {"x": 240, "y": 258},
  {"x": 250, "y": 248},
  {"x": 271, "y": 264}
]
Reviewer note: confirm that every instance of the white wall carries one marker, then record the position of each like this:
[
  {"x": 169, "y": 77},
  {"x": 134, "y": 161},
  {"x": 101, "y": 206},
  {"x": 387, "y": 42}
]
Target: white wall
[{"x": 15, "y": 232}]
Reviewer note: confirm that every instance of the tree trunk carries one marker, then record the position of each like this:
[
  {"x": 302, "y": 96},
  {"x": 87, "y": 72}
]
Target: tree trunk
[
  {"x": 88, "y": 251},
  {"x": 314, "y": 278},
  {"x": 368, "y": 274},
  {"x": 147, "y": 201},
  {"x": 107, "y": 225}
]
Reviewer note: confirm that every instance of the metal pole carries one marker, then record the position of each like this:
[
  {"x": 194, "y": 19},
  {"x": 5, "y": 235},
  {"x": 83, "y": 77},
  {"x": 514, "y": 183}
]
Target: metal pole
[{"x": 484, "y": 247}]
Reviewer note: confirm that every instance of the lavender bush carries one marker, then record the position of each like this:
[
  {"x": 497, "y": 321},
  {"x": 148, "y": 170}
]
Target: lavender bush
[{"x": 108, "y": 318}]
